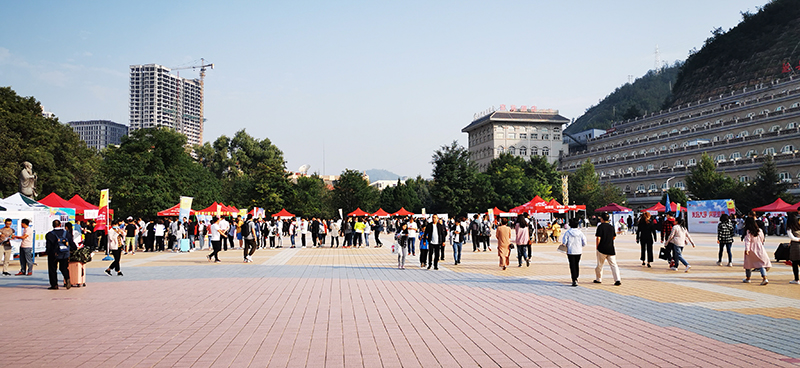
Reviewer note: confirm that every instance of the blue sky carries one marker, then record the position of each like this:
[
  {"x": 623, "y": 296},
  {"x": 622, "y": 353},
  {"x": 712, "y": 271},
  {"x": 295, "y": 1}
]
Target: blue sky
[{"x": 372, "y": 84}]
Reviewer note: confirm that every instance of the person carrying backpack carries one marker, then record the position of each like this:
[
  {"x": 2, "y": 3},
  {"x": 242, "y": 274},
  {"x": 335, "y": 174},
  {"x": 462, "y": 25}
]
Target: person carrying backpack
[
  {"x": 474, "y": 230},
  {"x": 58, "y": 246}
]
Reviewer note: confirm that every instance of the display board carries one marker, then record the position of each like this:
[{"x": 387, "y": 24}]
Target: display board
[{"x": 704, "y": 215}]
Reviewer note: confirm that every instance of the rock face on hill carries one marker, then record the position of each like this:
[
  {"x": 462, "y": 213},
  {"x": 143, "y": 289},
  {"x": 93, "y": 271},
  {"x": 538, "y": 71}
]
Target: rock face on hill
[{"x": 763, "y": 47}]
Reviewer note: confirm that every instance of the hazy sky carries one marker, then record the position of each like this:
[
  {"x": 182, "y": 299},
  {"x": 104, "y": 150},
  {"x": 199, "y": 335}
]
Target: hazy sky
[{"x": 377, "y": 84}]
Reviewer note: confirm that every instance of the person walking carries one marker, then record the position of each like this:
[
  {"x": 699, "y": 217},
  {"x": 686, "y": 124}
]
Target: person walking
[
  {"x": 793, "y": 232},
  {"x": 130, "y": 236},
  {"x": 115, "y": 245},
  {"x": 755, "y": 256},
  {"x": 725, "y": 238},
  {"x": 6, "y": 234},
  {"x": 25, "y": 249},
  {"x": 412, "y": 236},
  {"x": 215, "y": 234},
  {"x": 57, "y": 246},
  {"x": 378, "y": 229},
  {"x": 574, "y": 240},
  {"x": 248, "y": 231},
  {"x": 503, "y": 235},
  {"x": 679, "y": 238},
  {"x": 435, "y": 235},
  {"x": 486, "y": 232},
  {"x": 459, "y": 232},
  {"x": 666, "y": 229},
  {"x": 475, "y": 229},
  {"x": 402, "y": 241},
  {"x": 334, "y": 231},
  {"x": 159, "y": 233},
  {"x": 604, "y": 241},
  {"x": 522, "y": 239},
  {"x": 645, "y": 236},
  {"x": 224, "y": 225}
]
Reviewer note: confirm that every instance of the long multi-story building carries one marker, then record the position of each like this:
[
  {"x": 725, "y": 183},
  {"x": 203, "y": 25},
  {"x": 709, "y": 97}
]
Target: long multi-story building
[
  {"x": 160, "y": 99},
  {"x": 99, "y": 134},
  {"x": 518, "y": 131},
  {"x": 738, "y": 130}
]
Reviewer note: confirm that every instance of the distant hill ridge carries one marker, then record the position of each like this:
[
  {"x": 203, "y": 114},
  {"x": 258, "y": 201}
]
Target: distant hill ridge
[{"x": 380, "y": 174}]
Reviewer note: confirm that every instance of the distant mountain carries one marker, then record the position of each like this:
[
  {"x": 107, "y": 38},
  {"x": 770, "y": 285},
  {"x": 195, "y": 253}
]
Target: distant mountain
[
  {"x": 380, "y": 174},
  {"x": 646, "y": 94}
]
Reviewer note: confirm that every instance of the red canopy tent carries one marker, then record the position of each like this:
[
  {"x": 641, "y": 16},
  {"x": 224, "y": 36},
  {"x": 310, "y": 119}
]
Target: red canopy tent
[
  {"x": 82, "y": 204},
  {"x": 54, "y": 200},
  {"x": 613, "y": 207},
  {"x": 554, "y": 206},
  {"x": 778, "y": 206},
  {"x": 402, "y": 212},
  {"x": 174, "y": 211},
  {"x": 282, "y": 213},
  {"x": 380, "y": 213},
  {"x": 790, "y": 207},
  {"x": 658, "y": 207},
  {"x": 212, "y": 210},
  {"x": 358, "y": 212},
  {"x": 536, "y": 204}
]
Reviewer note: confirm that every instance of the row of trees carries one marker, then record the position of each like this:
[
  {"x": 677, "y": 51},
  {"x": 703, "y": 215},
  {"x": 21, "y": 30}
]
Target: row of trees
[{"x": 152, "y": 168}]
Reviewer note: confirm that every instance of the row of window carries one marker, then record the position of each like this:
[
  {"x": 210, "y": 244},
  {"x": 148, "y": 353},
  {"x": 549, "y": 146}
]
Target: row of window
[
  {"x": 654, "y": 187},
  {"x": 523, "y": 151},
  {"x": 545, "y": 136}
]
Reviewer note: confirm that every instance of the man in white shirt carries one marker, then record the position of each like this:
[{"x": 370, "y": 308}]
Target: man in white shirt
[
  {"x": 412, "y": 236},
  {"x": 224, "y": 226}
]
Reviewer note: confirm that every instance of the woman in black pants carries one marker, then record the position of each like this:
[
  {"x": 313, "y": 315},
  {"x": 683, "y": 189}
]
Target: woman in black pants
[
  {"x": 645, "y": 235},
  {"x": 214, "y": 235},
  {"x": 115, "y": 247}
]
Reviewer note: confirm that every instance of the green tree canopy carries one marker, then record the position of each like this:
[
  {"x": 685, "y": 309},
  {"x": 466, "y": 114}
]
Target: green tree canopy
[
  {"x": 704, "y": 182},
  {"x": 151, "y": 170},
  {"x": 455, "y": 179},
  {"x": 352, "y": 191},
  {"x": 311, "y": 197},
  {"x": 515, "y": 180},
  {"x": 765, "y": 188},
  {"x": 585, "y": 188},
  {"x": 62, "y": 162}
]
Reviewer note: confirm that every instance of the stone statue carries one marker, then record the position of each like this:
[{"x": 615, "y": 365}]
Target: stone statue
[{"x": 27, "y": 180}]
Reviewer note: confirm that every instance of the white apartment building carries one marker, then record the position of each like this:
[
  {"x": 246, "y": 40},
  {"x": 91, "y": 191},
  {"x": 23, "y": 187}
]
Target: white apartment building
[
  {"x": 518, "y": 131},
  {"x": 160, "y": 99}
]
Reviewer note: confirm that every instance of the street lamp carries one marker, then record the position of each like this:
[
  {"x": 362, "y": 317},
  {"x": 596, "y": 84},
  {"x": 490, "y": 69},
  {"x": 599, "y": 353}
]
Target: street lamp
[{"x": 668, "y": 183}]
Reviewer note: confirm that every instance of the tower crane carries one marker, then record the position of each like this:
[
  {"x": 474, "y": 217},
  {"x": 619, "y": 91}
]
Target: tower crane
[{"x": 202, "y": 68}]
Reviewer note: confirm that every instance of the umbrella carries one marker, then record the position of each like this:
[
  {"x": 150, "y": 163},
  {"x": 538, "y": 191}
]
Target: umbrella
[{"x": 613, "y": 207}]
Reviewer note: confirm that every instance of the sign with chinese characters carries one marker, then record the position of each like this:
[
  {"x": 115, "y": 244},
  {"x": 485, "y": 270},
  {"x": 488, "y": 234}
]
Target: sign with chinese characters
[{"x": 704, "y": 216}]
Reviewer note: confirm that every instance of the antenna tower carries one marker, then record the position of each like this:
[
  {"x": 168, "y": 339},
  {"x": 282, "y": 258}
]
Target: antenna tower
[{"x": 657, "y": 65}]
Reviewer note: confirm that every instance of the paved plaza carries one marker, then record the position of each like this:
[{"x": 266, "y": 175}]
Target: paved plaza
[{"x": 353, "y": 308}]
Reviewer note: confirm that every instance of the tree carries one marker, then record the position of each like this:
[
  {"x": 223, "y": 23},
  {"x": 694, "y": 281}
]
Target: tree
[
  {"x": 765, "y": 188},
  {"x": 516, "y": 181},
  {"x": 149, "y": 172},
  {"x": 400, "y": 195},
  {"x": 585, "y": 188},
  {"x": 63, "y": 163},
  {"x": 454, "y": 180},
  {"x": 704, "y": 182},
  {"x": 352, "y": 191},
  {"x": 311, "y": 197},
  {"x": 676, "y": 196},
  {"x": 252, "y": 171}
]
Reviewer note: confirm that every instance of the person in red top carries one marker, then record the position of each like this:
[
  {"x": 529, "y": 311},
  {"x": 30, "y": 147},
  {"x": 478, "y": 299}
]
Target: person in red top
[{"x": 666, "y": 230}]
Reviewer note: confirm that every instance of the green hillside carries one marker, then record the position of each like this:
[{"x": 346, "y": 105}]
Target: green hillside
[
  {"x": 645, "y": 94},
  {"x": 751, "y": 53}
]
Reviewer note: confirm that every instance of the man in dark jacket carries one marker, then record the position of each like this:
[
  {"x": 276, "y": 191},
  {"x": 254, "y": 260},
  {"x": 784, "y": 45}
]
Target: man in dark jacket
[
  {"x": 435, "y": 234},
  {"x": 53, "y": 260}
]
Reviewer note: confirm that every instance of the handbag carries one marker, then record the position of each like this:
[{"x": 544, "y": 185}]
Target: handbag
[
  {"x": 562, "y": 248},
  {"x": 663, "y": 254},
  {"x": 511, "y": 246}
]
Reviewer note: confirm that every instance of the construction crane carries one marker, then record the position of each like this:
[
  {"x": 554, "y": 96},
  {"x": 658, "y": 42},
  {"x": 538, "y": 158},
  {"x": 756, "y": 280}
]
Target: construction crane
[{"x": 202, "y": 68}]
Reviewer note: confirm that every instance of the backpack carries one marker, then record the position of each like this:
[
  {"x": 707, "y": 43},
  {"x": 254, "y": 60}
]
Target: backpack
[
  {"x": 473, "y": 227},
  {"x": 62, "y": 248},
  {"x": 246, "y": 229},
  {"x": 83, "y": 255},
  {"x": 485, "y": 229}
]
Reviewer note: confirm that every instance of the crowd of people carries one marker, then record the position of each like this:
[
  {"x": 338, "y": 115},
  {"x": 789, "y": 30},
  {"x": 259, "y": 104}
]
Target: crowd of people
[{"x": 414, "y": 235}]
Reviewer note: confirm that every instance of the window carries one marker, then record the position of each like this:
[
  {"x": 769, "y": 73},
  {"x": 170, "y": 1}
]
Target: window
[
  {"x": 545, "y": 151},
  {"x": 742, "y": 134},
  {"x": 664, "y": 186},
  {"x": 640, "y": 188},
  {"x": 512, "y": 150},
  {"x": 684, "y": 129},
  {"x": 523, "y": 135},
  {"x": 651, "y": 167},
  {"x": 751, "y": 114},
  {"x": 608, "y": 158},
  {"x": 544, "y": 130},
  {"x": 630, "y": 169},
  {"x": 523, "y": 151},
  {"x": 499, "y": 135},
  {"x": 633, "y": 153},
  {"x": 663, "y": 148},
  {"x": 652, "y": 150},
  {"x": 769, "y": 151},
  {"x": 785, "y": 177},
  {"x": 758, "y": 131},
  {"x": 653, "y": 186},
  {"x": 611, "y": 172},
  {"x": 679, "y": 185},
  {"x": 500, "y": 149},
  {"x": 779, "y": 108},
  {"x": 716, "y": 138},
  {"x": 616, "y": 156},
  {"x": 545, "y": 137},
  {"x": 640, "y": 168},
  {"x": 556, "y": 137},
  {"x": 556, "y": 129},
  {"x": 774, "y": 128},
  {"x": 791, "y": 125},
  {"x": 641, "y": 152},
  {"x": 627, "y": 188},
  {"x": 729, "y": 136},
  {"x": 534, "y": 151},
  {"x": 679, "y": 163},
  {"x": 751, "y": 153},
  {"x": 673, "y": 146},
  {"x": 744, "y": 179},
  {"x": 624, "y": 154},
  {"x": 720, "y": 158},
  {"x": 691, "y": 162},
  {"x": 735, "y": 156},
  {"x": 534, "y": 136},
  {"x": 787, "y": 148},
  {"x": 510, "y": 135}
]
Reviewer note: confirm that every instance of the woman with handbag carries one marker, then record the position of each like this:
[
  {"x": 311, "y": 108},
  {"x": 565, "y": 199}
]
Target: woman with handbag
[
  {"x": 793, "y": 232},
  {"x": 680, "y": 237},
  {"x": 115, "y": 239},
  {"x": 574, "y": 240},
  {"x": 755, "y": 256},
  {"x": 645, "y": 236}
]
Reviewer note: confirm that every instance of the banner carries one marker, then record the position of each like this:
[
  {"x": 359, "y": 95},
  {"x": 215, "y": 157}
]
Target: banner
[
  {"x": 704, "y": 215},
  {"x": 185, "y": 208},
  {"x": 102, "y": 216}
]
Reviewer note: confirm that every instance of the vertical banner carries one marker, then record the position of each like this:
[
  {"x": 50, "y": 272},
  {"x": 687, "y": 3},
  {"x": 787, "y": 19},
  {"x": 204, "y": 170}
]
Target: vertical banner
[
  {"x": 186, "y": 208},
  {"x": 219, "y": 210},
  {"x": 341, "y": 216},
  {"x": 704, "y": 215},
  {"x": 102, "y": 216},
  {"x": 491, "y": 214},
  {"x": 243, "y": 213}
]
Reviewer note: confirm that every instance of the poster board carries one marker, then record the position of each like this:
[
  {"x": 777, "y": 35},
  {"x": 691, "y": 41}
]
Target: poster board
[{"x": 704, "y": 215}]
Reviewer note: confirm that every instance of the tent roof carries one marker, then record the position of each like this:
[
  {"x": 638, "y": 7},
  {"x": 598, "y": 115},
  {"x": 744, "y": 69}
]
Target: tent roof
[
  {"x": 283, "y": 213},
  {"x": 613, "y": 207},
  {"x": 174, "y": 211},
  {"x": 790, "y": 207},
  {"x": 658, "y": 207},
  {"x": 54, "y": 200},
  {"x": 82, "y": 204},
  {"x": 402, "y": 212},
  {"x": 380, "y": 213},
  {"x": 22, "y": 200},
  {"x": 212, "y": 210},
  {"x": 358, "y": 212},
  {"x": 778, "y": 206},
  {"x": 536, "y": 204}
]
